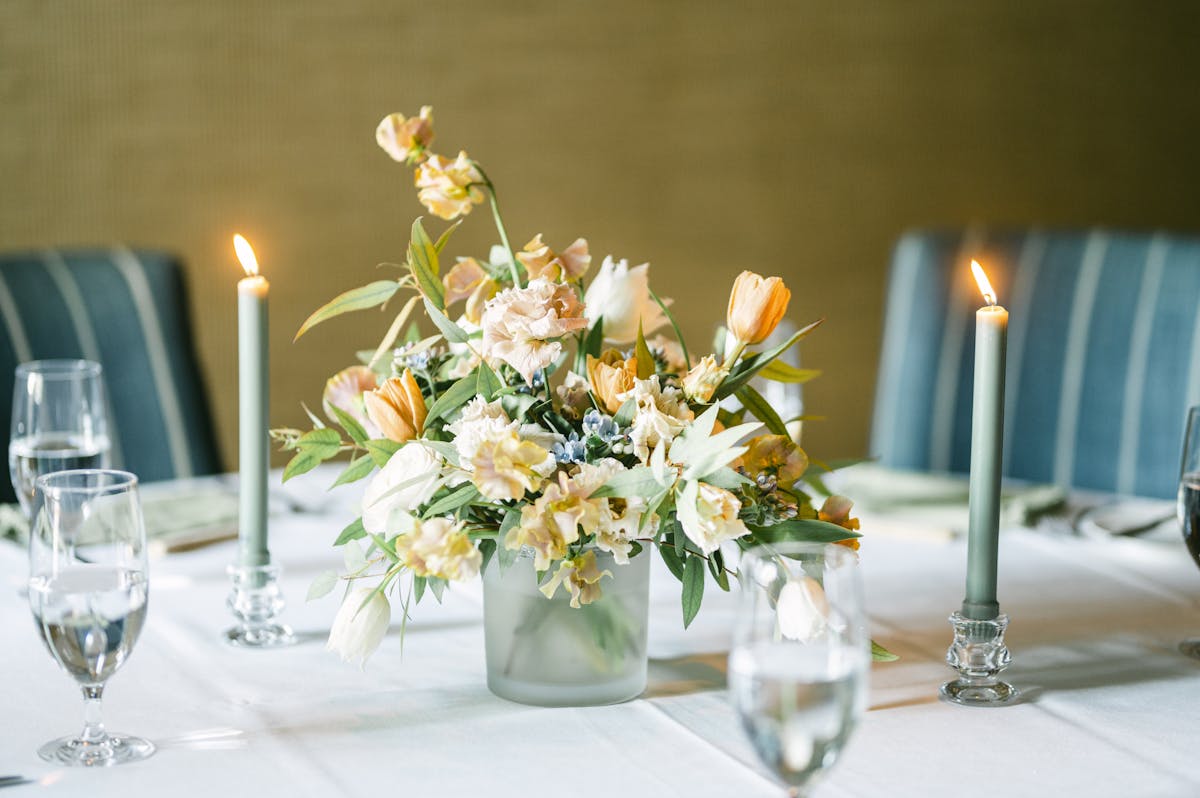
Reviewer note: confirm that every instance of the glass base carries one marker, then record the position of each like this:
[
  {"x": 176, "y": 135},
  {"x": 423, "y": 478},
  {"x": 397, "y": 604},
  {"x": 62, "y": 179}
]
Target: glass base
[
  {"x": 974, "y": 693},
  {"x": 540, "y": 694},
  {"x": 268, "y": 636},
  {"x": 113, "y": 749},
  {"x": 1190, "y": 648}
]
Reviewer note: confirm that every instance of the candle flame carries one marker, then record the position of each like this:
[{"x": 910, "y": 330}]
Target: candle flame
[
  {"x": 985, "y": 287},
  {"x": 245, "y": 254}
]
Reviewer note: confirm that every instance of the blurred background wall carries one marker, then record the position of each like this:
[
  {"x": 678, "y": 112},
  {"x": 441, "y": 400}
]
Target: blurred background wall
[{"x": 705, "y": 137}]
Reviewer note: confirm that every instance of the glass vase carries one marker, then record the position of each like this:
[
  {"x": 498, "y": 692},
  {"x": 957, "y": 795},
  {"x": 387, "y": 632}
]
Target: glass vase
[{"x": 545, "y": 652}]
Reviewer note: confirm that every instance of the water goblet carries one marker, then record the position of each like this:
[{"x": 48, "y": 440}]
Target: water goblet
[
  {"x": 800, "y": 657},
  {"x": 1188, "y": 505},
  {"x": 88, "y": 593},
  {"x": 59, "y": 422}
]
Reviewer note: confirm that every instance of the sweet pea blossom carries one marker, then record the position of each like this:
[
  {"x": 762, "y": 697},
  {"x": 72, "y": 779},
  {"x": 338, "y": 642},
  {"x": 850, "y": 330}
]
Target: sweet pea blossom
[
  {"x": 449, "y": 189},
  {"x": 403, "y": 139},
  {"x": 521, "y": 326},
  {"x": 581, "y": 576},
  {"x": 541, "y": 261},
  {"x": 438, "y": 547},
  {"x": 415, "y": 467},
  {"x": 621, "y": 294},
  {"x": 359, "y": 628}
]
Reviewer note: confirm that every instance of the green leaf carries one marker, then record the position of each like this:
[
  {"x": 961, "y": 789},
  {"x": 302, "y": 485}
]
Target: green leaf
[
  {"x": 358, "y": 468},
  {"x": 446, "y": 449},
  {"x": 452, "y": 398},
  {"x": 302, "y": 463},
  {"x": 507, "y": 556},
  {"x": 445, "y": 236},
  {"x": 352, "y": 427},
  {"x": 594, "y": 343},
  {"x": 779, "y": 371},
  {"x": 881, "y": 654},
  {"x": 423, "y": 259},
  {"x": 381, "y": 450},
  {"x": 726, "y": 478},
  {"x": 762, "y": 410},
  {"x": 693, "y": 588},
  {"x": 325, "y": 582},
  {"x": 752, "y": 364},
  {"x": 326, "y": 442},
  {"x": 353, "y": 531},
  {"x": 637, "y": 481},
  {"x": 437, "y": 587},
  {"x": 671, "y": 558},
  {"x": 463, "y": 494},
  {"x": 645, "y": 360},
  {"x": 353, "y": 557},
  {"x": 367, "y": 296},
  {"x": 488, "y": 549},
  {"x": 626, "y": 413},
  {"x": 674, "y": 326},
  {"x": 393, "y": 332},
  {"x": 451, "y": 331},
  {"x": 716, "y": 567},
  {"x": 418, "y": 588},
  {"x": 487, "y": 383},
  {"x": 808, "y": 530}
]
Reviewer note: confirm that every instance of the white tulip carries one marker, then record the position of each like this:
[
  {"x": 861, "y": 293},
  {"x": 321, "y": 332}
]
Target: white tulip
[
  {"x": 358, "y": 629},
  {"x": 418, "y": 468},
  {"x": 621, "y": 294},
  {"x": 802, "y": 610}
]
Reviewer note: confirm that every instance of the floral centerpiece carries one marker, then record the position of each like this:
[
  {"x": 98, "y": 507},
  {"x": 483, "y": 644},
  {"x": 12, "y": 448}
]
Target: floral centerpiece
[{"x": 550, "y": 419}]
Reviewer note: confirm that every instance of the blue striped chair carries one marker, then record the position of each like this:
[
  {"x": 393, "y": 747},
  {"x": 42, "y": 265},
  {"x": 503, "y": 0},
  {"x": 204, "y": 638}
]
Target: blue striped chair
[
  {"x": 1103, "y": 355},
  {"x": 128, "y": 311}
]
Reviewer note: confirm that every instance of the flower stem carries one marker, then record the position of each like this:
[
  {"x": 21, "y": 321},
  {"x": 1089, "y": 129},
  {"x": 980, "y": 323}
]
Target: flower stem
[{"x": 495, "y": 202}]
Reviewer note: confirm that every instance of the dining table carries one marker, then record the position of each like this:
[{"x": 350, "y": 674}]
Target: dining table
[{"x": 1108, "y": 705}]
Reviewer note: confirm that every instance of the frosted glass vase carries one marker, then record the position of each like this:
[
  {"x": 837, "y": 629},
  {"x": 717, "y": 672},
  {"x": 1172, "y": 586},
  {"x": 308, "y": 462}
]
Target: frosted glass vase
[{"x": 546, "y": 652}]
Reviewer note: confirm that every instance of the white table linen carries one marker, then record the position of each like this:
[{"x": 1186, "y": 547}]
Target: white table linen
[{"x": 1112, "y": 709}]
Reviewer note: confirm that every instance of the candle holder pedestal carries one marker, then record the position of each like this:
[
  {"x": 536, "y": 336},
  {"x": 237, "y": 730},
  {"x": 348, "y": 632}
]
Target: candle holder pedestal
[
  {"x": 978, "y": 654},
  {"x": 256, "y": 602}
]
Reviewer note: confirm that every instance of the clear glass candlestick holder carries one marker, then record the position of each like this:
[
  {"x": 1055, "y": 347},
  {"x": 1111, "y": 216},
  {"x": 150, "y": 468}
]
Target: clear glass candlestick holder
[
  {"x": 257, "y": 602},
  {"x": 978, "y": 653}
]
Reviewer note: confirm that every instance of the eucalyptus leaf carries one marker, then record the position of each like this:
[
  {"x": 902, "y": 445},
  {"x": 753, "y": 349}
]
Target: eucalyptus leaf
[
  {"x": 671, "y": 558},
  {"x": 418, "y": 588},
  {"x": 451, "y": 331},
  {"x": 353, "y": 531},
  {"x": 693, "y": 589},
  {"x": 301, "y": 463},
  {"x": 727, "y": 479},
  {"x": 452, "y": 398},
  {"x": 381, "y": 450},
  {"x": 437, "y": 587},
  {"x": 325, "y": 582},
  {"x": 353, "y": 428},
  {"x": 358, "y": 468},
  {"x": 881, "y": 654},
  {"x": 463, "y": 494},
  {"x": 751, "y": 365},
  {"x": 638, "y": 481},
  {"x": 368, "y": 296}
]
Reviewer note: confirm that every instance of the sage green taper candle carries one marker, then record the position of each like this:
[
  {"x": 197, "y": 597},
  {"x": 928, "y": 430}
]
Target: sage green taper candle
[
  {"x": 253, "y": 440},
  {"x": 987, "y": 445}
]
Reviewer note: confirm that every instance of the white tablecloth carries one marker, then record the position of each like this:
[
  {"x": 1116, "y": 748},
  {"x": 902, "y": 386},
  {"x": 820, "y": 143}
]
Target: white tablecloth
[{"x": 1112, "y": 709}]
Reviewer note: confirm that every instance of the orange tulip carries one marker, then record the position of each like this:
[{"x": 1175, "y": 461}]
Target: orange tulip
[
  {"x": 610, "y": 376},
  {"x": 397, "y": 408},
  {"x": 756, "y": 305}
]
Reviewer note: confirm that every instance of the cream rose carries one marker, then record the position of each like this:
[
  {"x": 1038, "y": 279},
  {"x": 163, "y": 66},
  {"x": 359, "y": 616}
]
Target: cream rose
[{"x": 416, "y": 467}]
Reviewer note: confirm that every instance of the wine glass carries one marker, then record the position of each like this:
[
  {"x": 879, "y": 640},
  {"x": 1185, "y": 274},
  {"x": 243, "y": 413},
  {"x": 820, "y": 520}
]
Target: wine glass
[
  {"x": 88, "y": 593},
  {"x": 58, "y": 423},
  {"x": 800, "y": 656},
  {"x": 1188, "y": 504}
]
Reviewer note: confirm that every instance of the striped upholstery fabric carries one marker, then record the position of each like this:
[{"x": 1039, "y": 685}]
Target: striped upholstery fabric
[
  {"x": 1103, "y": 355},
  {"x": 128, "y": 311}
]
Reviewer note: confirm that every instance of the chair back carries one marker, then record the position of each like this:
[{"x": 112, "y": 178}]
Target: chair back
[
  {"x": 1103, "y": 354},
  {"x": 128, "y": 311}
]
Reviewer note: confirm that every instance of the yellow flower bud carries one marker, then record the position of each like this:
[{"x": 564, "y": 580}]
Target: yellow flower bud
[
  {"x": 397, "y": 408},
  {"x": 704, "y": 378},
  {"x": 756, "y": 305},
  {"x": 611, "y": 376}
]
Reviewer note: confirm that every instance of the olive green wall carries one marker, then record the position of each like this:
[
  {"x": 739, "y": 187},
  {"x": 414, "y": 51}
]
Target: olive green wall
[{"x": 791, "y": 138}]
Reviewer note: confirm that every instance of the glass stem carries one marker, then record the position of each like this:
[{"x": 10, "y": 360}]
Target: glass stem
[{"x": 93, "y": 724}]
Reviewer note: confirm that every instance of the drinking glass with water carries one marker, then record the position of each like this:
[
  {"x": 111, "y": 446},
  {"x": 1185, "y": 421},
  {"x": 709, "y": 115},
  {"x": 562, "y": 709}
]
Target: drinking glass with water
[
  {"x": 88, "y": 592},
  {"x": 1188, "y": 506},
  {"x": 59, "y": 422},
  {"x": 800, "y": 657}
]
